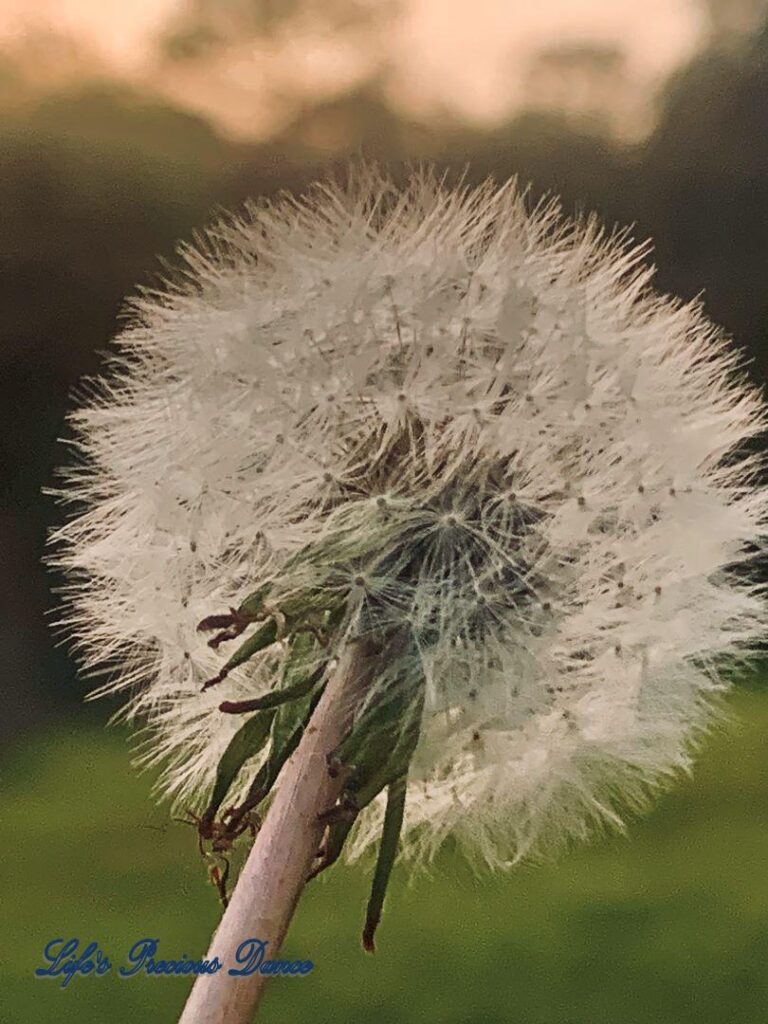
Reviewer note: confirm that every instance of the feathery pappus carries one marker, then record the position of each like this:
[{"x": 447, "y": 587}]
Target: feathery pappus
[{"x": 462, "y": 428}]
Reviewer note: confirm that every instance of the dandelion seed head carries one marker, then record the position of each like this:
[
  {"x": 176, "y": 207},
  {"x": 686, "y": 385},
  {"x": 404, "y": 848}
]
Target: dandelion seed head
[{"x": 494, "y": 433}]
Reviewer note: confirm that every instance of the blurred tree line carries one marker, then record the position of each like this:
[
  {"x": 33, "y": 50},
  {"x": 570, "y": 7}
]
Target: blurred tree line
[{"x": 98, "y": 181}]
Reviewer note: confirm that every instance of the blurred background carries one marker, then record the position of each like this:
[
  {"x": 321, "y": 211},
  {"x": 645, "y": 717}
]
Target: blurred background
[{"x": 125, "y": 126}]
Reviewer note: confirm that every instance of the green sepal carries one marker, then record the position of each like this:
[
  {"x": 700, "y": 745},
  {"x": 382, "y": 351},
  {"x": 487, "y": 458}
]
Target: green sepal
[
  {"x": 386, "y": 732},
  {"x": 336, "y": 836},
  {"x": 254, "y": 602},
  {"x": 374, "y": 773},
  {"x": 390, "y": 837},
  {"x": 264, "y": 637},
  {"x": 247, "y": 741},
  {"x": 282, "y": 746},
  {"x": 360, "y": 792},
  {"x": 275, "y": 698},
  {"x": 290, "y": 717}
]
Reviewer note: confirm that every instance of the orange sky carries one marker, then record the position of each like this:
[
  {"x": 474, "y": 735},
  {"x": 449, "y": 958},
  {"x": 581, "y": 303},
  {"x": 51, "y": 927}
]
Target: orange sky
[{"x": 466, "y": 56}]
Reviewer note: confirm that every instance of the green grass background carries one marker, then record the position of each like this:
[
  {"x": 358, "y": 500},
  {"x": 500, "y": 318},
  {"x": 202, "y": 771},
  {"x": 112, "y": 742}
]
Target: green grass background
[{"x": 668, "y": 925}]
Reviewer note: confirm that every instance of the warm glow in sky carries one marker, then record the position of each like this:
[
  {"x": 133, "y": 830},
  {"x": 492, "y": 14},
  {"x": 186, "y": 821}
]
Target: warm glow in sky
[
  {"x": 117, "y": 28},
  {"x": 471, "y": 50},
  {"x": 466, "y": 56}
]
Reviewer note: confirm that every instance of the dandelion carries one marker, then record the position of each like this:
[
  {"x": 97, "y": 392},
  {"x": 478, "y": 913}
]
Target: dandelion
[{"x": 455, "y": 446}]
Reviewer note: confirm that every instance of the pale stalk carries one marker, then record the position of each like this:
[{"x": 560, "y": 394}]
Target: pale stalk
[{"x": 270, "y": 884}]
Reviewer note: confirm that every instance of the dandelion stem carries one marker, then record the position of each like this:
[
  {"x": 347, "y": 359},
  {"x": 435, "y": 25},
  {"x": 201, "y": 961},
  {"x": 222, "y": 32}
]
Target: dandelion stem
[{"x": 279, "y": 863}]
